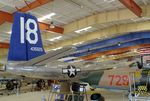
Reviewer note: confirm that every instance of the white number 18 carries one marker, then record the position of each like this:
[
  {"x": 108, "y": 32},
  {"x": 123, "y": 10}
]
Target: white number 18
[{"x": 29, "y": 31}]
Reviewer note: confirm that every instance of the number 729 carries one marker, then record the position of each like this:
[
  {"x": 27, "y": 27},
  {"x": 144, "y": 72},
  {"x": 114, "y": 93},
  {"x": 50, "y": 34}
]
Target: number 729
[{"x": 119, "y": 80}]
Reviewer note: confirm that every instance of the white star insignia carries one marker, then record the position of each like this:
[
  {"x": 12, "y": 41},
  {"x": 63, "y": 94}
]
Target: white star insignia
[{"x": 71, "y": 71}]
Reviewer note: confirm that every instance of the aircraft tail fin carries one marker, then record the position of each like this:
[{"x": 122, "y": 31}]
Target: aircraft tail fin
[{"x": 25, "y": 42}]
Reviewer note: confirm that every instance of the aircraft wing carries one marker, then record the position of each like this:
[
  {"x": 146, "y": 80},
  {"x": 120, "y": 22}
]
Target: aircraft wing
[{"x": 48, "y": 57}]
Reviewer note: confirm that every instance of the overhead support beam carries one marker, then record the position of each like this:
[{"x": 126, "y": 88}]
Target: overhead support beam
[
  {"x": 7, "y": 17},
  {"x": 133, "y": 6},
  {"x": 33, "y": 5},
  {"x": 4, "y": 45},
  {"x": 57, "y": 29},
  {"x": 4, "y": 16}
]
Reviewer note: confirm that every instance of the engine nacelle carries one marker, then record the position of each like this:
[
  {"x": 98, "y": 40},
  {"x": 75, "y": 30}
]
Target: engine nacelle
[
  {"x": 11, "y": 84},
  {"x": 145, "y": 62}
]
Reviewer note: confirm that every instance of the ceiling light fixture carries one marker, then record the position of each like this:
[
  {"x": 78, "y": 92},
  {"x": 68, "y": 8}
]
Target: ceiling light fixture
[
  {"x": 83, "y": 29},
  {"x": 105, "y": 36},
  {"x": 114, "y": 67},
  {"x": 56, "y": 38},
  {"x": 111, "y": 55},
  {"x": 78, "y": 43},
  {"x": 49, "y": 16},
  {"x": 103, "y": 56},
  {"x": 52, "y": 25},
  {"x": 140, "y": 19},
  {"x": 109, "y": 1},
  {"x": 134, "y": 19},
  {"x": 9, "y": 32},
  {"x": 119, "y": 44},
  {"x": 134, "y": 50},
  {"x": 56, "y": 48}
]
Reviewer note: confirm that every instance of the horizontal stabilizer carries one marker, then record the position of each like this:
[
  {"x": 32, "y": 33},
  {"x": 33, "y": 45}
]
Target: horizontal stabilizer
[{"x": 49, "y": 57}]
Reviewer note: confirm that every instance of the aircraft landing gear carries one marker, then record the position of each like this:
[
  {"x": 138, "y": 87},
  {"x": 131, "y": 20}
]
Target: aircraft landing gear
[
  {"x": 10, "y": 85},
  {"x": 40, "y": 84},
  {"x": 97, "y": 97}
]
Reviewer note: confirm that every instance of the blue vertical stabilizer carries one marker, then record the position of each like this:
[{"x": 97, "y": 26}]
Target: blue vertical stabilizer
[{"x": 25, "y": 42}]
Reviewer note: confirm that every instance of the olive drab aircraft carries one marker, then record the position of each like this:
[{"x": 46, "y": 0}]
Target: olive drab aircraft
[{"x": 27, "y": 57}]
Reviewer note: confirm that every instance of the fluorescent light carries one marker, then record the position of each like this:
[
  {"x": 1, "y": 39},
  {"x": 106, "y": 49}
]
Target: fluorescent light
[
  {"x": 134, "y": 19},
  {"x": 49, "y": 16},
  {"x": 9, "y": 32},
  {"x": 56, "y": 38},
  {"x": 103, "y": 56},
  {"x": 134, "y": 50},
  {"x": 83, "y": 29},
  {"x": 114, "y": 67},
  {"x": 139, "y": 19},
  {"x": 57, "y": 48},
  {"x": 105, "y": 36},
  {"x": 109, "y": 1},
  {"x": 78, "y": 43}
]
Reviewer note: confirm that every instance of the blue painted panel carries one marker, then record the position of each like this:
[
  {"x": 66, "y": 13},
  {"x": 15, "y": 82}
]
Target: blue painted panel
[
  {"x": 123, "y": 45},
  {"x": 121, "y": 39}
]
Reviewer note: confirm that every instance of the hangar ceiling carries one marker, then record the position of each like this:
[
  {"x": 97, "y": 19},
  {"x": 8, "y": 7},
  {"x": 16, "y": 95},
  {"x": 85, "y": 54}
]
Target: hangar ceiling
[{"x": 103, "y": 18}]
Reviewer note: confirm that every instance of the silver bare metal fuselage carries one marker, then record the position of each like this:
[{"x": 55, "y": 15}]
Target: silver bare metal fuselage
[{"x": 41, "y": 72}]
